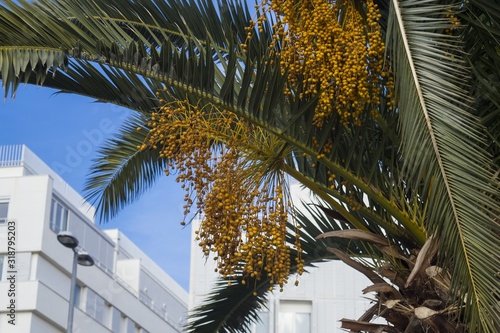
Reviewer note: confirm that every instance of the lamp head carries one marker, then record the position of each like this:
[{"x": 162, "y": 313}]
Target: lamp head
[
  {"x": 85, "y": 259},
  {"x": 67, "y": 239}
]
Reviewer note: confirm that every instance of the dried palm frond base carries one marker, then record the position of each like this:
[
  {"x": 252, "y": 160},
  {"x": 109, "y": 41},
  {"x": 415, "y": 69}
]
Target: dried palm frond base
[{"x": 410, "y": 293}]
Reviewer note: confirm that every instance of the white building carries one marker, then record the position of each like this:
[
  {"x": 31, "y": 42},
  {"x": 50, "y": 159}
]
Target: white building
[
  {"x": 325, "y": 295},
  {"x": 124, "y": 292}
]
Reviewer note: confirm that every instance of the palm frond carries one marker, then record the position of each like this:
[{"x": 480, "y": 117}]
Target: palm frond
[
  {"x": 420, "y": 170},
  {"x": 442, "y": 147},
  {"x": 147, "y": 38},
  {"x": 214, "y": 70},
  {"x": 481, "y": 35},
  {"x": 106, "y": 84},
  {"x": 122, "y": 172},
  {"x": 229, "y": 308}
]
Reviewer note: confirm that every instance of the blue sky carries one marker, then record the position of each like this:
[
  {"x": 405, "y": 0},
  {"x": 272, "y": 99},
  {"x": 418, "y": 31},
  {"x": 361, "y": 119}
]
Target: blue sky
[{"x": 64, "y": 131}]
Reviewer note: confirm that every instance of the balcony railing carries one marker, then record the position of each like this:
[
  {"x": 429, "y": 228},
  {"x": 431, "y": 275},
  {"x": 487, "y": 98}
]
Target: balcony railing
[{"x": 11, "y": 156}]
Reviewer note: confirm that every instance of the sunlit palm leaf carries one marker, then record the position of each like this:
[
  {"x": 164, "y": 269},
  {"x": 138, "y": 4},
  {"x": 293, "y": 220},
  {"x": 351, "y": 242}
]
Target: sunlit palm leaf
[{"x": 442, "y": 148}]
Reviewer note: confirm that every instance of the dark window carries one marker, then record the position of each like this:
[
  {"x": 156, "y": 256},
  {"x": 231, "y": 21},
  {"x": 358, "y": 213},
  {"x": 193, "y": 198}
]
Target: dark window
[
  {"x": 4, "y": 209},
  {"x": 58, "y": 217}
]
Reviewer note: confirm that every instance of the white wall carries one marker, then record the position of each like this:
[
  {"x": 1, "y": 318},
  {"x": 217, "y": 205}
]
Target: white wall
[
  {"x": 44, "y": 265},
  {"x": 40, "y": 325},
  {"x": 129, "y": 271},
  {"x": 23, "y": 324},
  {"x": 27, "y": 207},
  {"x": 333, "y": 289}
]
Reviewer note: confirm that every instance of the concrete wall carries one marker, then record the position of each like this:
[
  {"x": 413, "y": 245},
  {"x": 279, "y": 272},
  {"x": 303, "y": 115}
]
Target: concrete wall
[
  {"x": 332, "y": 291},
  {"x": 28, "y": 207},
  {"x": 44, "y": 265}
]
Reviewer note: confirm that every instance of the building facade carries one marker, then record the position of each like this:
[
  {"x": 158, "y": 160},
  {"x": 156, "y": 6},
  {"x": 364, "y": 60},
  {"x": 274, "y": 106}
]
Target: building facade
[
  {"x": 123, "y": 292},
  {"x": 327, "y": 293}
]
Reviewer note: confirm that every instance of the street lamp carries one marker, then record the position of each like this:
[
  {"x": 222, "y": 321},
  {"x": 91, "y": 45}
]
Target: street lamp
[{"x": 80, "y": 257}]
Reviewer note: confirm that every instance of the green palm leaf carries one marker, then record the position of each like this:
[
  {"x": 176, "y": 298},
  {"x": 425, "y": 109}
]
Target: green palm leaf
[
  {"x": 122, "y": 172},
  {"x": 420, "y": 170},
  {"x": 229, "y": 309},
  {"x": 106, "y": 84},
  {"x": 442, "y": 145},
  {"x": 482, "y": 44}
]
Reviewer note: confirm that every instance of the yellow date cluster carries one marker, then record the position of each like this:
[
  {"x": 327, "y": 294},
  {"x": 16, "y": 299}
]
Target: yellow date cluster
[
  {"x": 244, "y": 214},
  {"x": 334, "y": 50}
]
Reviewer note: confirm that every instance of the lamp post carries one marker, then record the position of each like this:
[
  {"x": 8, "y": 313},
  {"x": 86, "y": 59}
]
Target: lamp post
[{"x": 80, "y": 257}]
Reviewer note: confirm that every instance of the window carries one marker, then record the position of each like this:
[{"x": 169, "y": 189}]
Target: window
[
  {"x": 78, "y": 291},
  {"x": 99, "y": 310},
  {"x": 4, "y": 209},
  {"x": 116, "y": 318},
  {"x": 58, "y": 217},
  {"x": 95, "y": 306},
  {"x": 128, "y": 325},
  {"x": 262, "y": 325},
  {"x": 297, "y": 322},
  {"x": 131, "y": 326},
  {"x": 1, "y": 267},
  {"x": 295, "y": 317}
]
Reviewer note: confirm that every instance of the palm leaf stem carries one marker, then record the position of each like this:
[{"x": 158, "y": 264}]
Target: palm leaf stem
[
  {"x": 424, "y": 105},
  {"x": 315, "y": 188},
  {"x": 413, "y": 227},
  {"x": 324, "y": 193}
]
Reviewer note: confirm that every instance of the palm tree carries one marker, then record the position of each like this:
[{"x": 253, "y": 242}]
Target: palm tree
[{"x": 415, "y": 188}]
